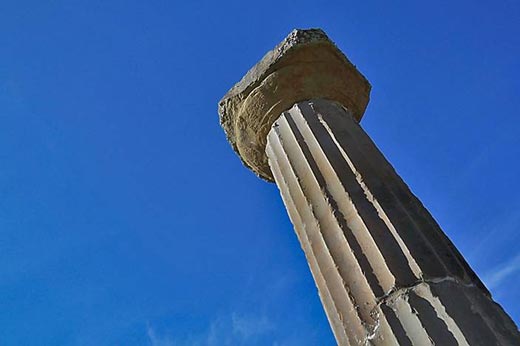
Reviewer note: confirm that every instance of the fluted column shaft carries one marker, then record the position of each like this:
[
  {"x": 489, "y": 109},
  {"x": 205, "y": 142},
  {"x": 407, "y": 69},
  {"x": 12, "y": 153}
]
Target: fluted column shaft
[{"x": 385, "y": 271}]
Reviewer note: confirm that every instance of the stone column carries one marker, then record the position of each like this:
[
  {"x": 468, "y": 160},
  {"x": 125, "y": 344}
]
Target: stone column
[{"x": 385, "y": 271}]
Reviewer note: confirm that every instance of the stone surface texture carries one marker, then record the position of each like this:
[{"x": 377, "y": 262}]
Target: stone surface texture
[
  {"x": 305, "y": 65},
  {"x": 385, "y": 271}
]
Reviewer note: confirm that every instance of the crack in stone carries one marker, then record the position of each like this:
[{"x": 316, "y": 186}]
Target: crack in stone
[{"x": 397, "y": 292}]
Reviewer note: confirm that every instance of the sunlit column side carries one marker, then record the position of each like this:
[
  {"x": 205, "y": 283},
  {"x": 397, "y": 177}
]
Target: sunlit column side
[{"x": 385, "y": 271}]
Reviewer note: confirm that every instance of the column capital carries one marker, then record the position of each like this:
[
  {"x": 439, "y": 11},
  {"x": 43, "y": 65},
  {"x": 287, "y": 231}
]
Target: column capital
[{"x": 305, "y": 65}]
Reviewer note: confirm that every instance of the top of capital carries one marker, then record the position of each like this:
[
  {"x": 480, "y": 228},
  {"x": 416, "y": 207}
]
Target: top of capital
[{"x": 305, "y": 65}]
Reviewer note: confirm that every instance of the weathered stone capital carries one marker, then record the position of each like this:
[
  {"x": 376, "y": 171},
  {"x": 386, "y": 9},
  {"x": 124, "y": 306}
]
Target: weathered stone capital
[{"x": 305, "y": 65}]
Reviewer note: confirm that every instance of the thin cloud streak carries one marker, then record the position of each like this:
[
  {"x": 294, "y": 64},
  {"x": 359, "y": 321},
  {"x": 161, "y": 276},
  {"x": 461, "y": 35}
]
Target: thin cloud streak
[
  {"x": 157, "y": 340},
  {"x": 246, "y": 327},
  {"x": 498, "y": 274},
  {"x": 501, "y": 231},
  {"x": 235, "y": 329}
]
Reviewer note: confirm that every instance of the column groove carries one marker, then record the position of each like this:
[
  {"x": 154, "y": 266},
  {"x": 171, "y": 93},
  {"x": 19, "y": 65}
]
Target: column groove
[{"x": 343, "y": 310}]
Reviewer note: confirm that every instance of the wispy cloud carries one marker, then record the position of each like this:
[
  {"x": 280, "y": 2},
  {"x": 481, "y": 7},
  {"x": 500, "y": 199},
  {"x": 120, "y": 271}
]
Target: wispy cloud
[
  {"x": 499, "y": 233},
  {"x": 157, "y": 340},
  {"x": 497, "y": 275},
  {"x": 249, "y": 323},
  {"x": 234, "y": 329},
  {"x": 247, "y": 327}
]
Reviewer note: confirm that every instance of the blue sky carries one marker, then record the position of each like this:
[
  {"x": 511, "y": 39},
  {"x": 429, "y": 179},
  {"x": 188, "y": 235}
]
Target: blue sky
[{"x": 126, "y": 218}]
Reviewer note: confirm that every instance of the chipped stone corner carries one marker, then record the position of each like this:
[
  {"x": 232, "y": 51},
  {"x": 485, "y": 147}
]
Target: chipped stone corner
[{"x": 305, "y": 65}]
